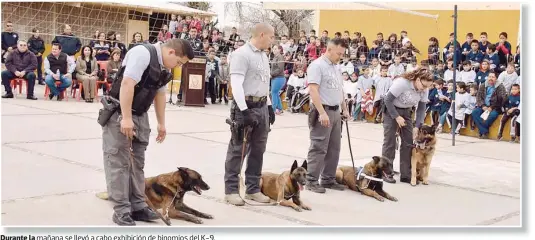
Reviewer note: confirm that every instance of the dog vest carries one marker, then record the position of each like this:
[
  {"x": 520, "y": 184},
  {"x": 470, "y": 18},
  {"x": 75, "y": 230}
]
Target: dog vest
[{"x": 359, "y": 174}]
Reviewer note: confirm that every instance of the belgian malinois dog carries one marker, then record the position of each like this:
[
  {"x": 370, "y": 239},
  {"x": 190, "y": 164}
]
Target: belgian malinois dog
[
  {"x": 379, "y": 168},
  {"x": 422, "y": 154},
  {"x": 166, "y": 191},
  {"x": 285, "y": 186}
]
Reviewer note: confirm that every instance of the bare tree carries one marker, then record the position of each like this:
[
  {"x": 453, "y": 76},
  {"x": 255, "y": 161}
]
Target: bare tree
[
  {"x": 204, "y": 6},
  {"x": 287, "y": 22}
]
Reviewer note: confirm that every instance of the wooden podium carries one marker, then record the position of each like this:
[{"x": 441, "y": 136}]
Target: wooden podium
[{"x": 193, "y": 74}]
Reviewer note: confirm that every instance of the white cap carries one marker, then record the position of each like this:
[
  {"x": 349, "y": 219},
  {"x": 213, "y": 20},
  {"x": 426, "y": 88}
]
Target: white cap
[{"x": 405, "y": 40}]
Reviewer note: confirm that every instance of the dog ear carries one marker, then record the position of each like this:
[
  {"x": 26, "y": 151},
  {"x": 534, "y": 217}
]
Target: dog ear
[
  {"x": 294, "y": 166},
  {"x": 304, "y": 165},
  {"x": 376, "y": 159}
]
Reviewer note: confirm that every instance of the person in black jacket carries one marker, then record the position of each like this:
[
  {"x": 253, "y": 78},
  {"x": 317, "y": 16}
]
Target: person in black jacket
[
  {"x": 37, "y": 46},
  {"x": 119, "y": 45},
  {"x": 70, "y": 44},
  {"x": 9, "y": 40}
]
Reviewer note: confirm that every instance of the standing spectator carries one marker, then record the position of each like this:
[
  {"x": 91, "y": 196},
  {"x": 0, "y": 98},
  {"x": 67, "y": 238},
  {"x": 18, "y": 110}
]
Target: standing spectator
[
  {"x": 511, "y": 110},
  {"x": 224, "y": 79},
  {"x": 195, "y": 42},
  {"x": 461, "y": 104},
  {"x": 102, "y": 47},
  {"x": 137, "y": 39},
  {"x": 491, "y": 98},
  {"x": 504, "y": 48},
  {"x": 395, "y": 70},
  {"x": 433, "y": 51},
  {"x": 70, "y": 44},
  {"x": 20, "y": 63},
  {"x": 382, "y": 85},
  {"x": 285, "y": 44},
  {"x": 234, "y": 37},
  {"x": 277, "y": 79},
  {"x": 173, "y": 24},
  {"x": 509, "y": 77},
  {"x": 118, "y": 45},
  {"x": 212, "y": 71},
  {"x": 58, "y": 67},
  {"x": 9, "y": 40},
  {"x": 516, "y": 138},
  {"x": 164, "y": 34},
  {"x": 95, "y": 38},
  {"x": 196, "y": 23},
  {"x": 36, "y": 45},
  {"x": 483, "y": 43},
  {"x": 86, "y": 72},
  {"x": 209, "y": 25}
]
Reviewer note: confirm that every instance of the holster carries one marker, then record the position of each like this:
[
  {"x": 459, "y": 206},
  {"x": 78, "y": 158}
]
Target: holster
[
  {"x": 236, "y": 129},
  {"x": 107, "y": 110},
  {"x": 313, "y": 117}
]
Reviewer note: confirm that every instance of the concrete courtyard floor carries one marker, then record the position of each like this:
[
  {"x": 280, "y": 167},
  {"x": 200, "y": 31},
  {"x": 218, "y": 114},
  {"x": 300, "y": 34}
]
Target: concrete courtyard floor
[{"x": 52, "y": 167}]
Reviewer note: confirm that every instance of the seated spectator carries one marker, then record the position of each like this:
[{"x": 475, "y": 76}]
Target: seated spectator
[
  {"x": 386, "y": 55},
  {"x": 503, "y": 47},
  {"x": 374, "y": 50},
  {"x": 483, "y": 43},
  {"x": 295, "y": 83},
  {"x": 375, "y": 68},
  {"x": 363, "y": 48},
  {"x": 433, "y": 51},
  {"x": 301, "y": 47},
  {"x": 517, "y": 125},
  {"x": 164, "y": 34},
  {"x": 353, "y": 50},
  {"x": 301, "y": 62},
  {"x": 492, "y": 57},
  {"x": 37, "y": 46},
  {"x": 438, "y": 72},
  {"x": 452, "y": 53},
  {"x": 59, "y": 68},
  {"x": 491, "y": 98},
  {"x": 434, "y": 103},
  {"x": 475, "y": 56},
  {"x": 448, "y": 74},
  {"x": 206, "y": 36},
  {"x": 86, "y": 72},
  {"x": 408, "y": 52},
  {"x": 361, "y": 63},
  {"x": 118, "y": 45},
  {"x": 173, "y": 24},
  {"x": 483, "y": 73},
  {"x": 320, "y": 48},
  {"x": 511, "y": 111},
  {"x": 447, "y": 47},
  {"x": 137, "y": 39},
  {"x": 445, "y": 104},
  {"x": 395, "y": 70},
  {"x": 311, "y": 49},
  {"x": 467, "y": 75},
  {"x": 20, "y": 63},
  {"x": 346, "y": 65},
  {"x": 394, "y": 44},
  {"x": 184, "y": 33},
  {"x": 102, "y": 47},
  {"x": 508, "y": 77},
  {"x": 114, "y": 64}
]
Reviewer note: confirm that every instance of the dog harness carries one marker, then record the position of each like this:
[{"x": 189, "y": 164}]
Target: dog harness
[{"x": 360, "y": 174}]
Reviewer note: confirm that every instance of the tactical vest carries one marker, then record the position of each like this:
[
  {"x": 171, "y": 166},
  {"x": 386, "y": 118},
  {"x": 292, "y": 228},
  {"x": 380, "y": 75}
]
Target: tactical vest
[{"x": 153, "y": 78}]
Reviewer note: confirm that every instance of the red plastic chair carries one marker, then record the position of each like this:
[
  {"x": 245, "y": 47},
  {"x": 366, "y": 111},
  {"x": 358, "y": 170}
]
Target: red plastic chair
[
  {"x": 103, "y": 66},
  {"x": 64, "y": 93},
  {"x": 17, "y": 82},
  {"x": 74, "y": 90}
]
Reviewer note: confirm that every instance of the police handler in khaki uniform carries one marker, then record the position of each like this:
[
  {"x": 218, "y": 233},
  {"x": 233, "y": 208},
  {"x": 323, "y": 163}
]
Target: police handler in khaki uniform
[
  {"x": 141, "y": 80},
  {"x": 249, "y": 79},
  {"x": 326, "y": 94}
]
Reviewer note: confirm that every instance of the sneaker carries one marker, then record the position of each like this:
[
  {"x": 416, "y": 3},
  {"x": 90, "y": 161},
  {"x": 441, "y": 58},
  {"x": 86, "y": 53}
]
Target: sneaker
[
  {"x": 123, "y": 219},
  {"x": 334, "y": 186},
  {"x": 145, "y": 215},
  {"x": 31, "y": 97},
  {"x": 257, "y": 197},
  {"x": 8, "y": 95},
  {"x": 234, "y": 199},
  {"x": 50, "y": 96},
  {"x": 315, "y": 187}
]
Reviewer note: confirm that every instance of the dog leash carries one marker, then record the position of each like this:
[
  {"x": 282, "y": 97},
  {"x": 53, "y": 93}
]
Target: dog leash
[
  {"x": 244, "y": 144},
  {"x": 131, "y": 150}
]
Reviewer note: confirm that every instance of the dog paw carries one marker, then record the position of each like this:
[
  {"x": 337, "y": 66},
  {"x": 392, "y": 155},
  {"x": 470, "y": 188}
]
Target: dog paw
[
  {"x": 298, "y": 209},
  {"x": 381, "y": 199},
  {"x": 207, "y": 216},
  {"x": 394, "y": 199},
  {"x": 196, "y": 220},
  {"x": 306, "y": 207},
  {"x": 425, "y": 182},
  {"x": 413, "y": 182}
]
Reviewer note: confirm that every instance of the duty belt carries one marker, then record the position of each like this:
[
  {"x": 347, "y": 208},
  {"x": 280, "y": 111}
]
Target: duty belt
[
  {"x": 333, "y": 108},
  {"x": 255, "y": 102},
  {"x": 255, "y": 99}
]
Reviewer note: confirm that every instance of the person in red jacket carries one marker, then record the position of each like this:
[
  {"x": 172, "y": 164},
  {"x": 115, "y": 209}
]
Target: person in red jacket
[
  {"x": 311, "y": 49},
  {"x": 196, "y": 23},
  {"x": 164, "y": 34}
]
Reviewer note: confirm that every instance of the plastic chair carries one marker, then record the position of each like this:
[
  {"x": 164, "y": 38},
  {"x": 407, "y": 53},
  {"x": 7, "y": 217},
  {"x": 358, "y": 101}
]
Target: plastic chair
[
  {"x": 64, "y": 93},
  {"x": 17, "y": 82},
  {"x": 80, "y": 89},
  {"x": 103, "y": 66}
]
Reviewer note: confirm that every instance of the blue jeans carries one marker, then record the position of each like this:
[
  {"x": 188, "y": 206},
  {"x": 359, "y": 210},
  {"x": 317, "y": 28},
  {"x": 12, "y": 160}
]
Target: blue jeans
[
  {"x": 442, "y": 119},
  {"x": 484, "y": 125},
  {"x": 276, "y": 86},
  {"x": 51, "y": 82}
]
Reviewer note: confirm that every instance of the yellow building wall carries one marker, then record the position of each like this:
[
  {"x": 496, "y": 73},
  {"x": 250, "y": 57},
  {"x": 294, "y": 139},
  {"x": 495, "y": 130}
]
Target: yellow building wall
[{"x": 420, "y": 29}]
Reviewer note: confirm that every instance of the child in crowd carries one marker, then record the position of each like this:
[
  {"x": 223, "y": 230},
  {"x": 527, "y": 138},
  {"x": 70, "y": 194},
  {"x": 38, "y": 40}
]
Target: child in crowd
[
  {"x": 365, "y": 82},
  {"x": 311, "y": 49},
  {"x": 445, "y": 104},
  {"x": 508, "y": 77},
  {"x": 382, "y": 85},
  {"x": 433, "y": 51},
  {"x": 461, "y": 104},
  {"x": 366, "y": 104},
  {"x": 492, "y": 56},
  {"x": 483, "y": 73},
  {"x": 301, "y": 46},
  {"x": 288, "y": 64},
  {"x": 386, "y": 54},
  {"x": 448, "y": 74},
  {"x": 467, "y": 46},
  {"x": 351, "y": 91},
  {"x": 363, "y": 47},
  {"x": 212, "y": 70},
  {"x": 353, "y": 51},
  {"x": 223, "y": 79},
  {"x": 173, "y": 24},
  {"x": 503, "y": 47},
  {"x": 346, "y": 65},
  {"x": 361, "y": 63},
  {"x": 470, "y": 106},
  {"x": 438, "y": 72},
  {"x": 374, "y": 50},
  {"x": 295, "y": 83},
  {"x": 511, "y": 111},
  {"x": 434, "y": 103},
  {"x": 483, "y": 43},
  {"x": 375, "y": 68},
  {"x": 475, "y": 56},
  {"x": 396, "y": 69},
  {"x": 452, "y": 53},
  {"x": 467, "y": 75}
]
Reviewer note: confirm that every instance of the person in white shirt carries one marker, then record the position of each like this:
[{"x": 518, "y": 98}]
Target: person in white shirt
[
  {"x": 295, "y": 83},
  {"x": 346, "y": 66},
  {"x": 461, "y": 106},
  {"x": 382, "y": 85},
  {"x": 285, "y": 44},
  {"x": 448, "y": 74},
  {"x": 508, "y": 77},
  {"x": 467, "y": 76},
  {"x": 351, "y": 90},
  {"x": 173, "y": 24},
  {"x": 375, "y": 68},
  {"x": 396, "y": 69}
]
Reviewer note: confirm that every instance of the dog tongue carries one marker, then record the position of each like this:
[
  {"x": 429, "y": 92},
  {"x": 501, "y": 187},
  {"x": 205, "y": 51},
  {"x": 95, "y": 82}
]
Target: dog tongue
[{"x": 300, "y": 187}]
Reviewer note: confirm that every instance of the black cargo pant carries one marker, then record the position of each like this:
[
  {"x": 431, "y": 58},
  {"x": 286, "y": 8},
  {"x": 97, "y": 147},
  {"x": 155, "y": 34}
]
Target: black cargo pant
[
  {"x": 391, "y": 127},
  {"x": 254, "y": 153},
  {"x": 126, "y": 191}
]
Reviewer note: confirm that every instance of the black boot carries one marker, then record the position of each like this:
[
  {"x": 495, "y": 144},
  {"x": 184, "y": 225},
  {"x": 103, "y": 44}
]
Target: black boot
[
  {"x": 145, "y": 215},
  {"x": 8, "y": 95},
  {"x": 123, "y": 219}
]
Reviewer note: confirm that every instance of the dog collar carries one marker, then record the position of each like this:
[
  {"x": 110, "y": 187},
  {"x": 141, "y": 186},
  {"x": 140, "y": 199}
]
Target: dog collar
[{"x": 361, "y": 173}]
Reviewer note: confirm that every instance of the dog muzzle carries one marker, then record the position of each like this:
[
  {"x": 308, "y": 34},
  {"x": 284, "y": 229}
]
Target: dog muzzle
[{"x": 389, "y": 178}]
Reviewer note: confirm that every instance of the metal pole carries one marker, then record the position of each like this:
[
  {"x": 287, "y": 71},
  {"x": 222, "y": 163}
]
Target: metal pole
[{"x": 453, "y": 125}]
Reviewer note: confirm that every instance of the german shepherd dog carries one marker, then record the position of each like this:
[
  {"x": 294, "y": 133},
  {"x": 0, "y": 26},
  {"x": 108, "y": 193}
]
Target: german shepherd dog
[
  {"x": 379, "y": 168},
  {"x": 285, "y": 186},
  {"x": 422, "y": 154},
  {"x": 166, "y": 191}
]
